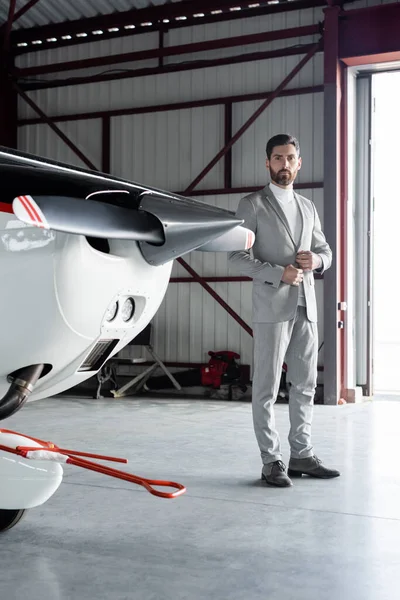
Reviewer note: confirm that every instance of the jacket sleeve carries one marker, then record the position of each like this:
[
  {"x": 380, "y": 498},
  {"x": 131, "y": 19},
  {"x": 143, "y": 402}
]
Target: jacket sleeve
[
  {"x": 319, "y": 245},
  {"x": 243, "y": 262}
]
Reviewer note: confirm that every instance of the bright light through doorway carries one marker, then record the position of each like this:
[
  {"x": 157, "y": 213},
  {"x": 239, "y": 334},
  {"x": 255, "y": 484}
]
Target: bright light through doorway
[{"x": 386, "y": 191}]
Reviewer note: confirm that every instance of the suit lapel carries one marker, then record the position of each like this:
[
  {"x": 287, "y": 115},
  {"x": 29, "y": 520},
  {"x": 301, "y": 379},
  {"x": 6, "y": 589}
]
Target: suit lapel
[{"x": 279, "y": 212}]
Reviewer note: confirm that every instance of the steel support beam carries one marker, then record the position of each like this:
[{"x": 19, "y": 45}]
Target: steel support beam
[
  {"x": 162, "y": 52},
  {"x": 228, "y": 110},
  {"x": 153, "y": 15},
  {"x": 193, "y": 365},
  {"x": 370, "y": 35},
  {"x": 343, "y": 254},
  {"x": 227, "y": 279},
  {"x": 8, "y": 110},
  {"x": 221, "y": 279},
  {"x": 54, "y": 127},
  {"x": 6, "y": 29},
  {"x": 8, "y": 97},
  {"x": 153, "y": 108},
  {"x": 161, "y": 45},
  {"x": 106, "y": 144},
  {"x": 173, "y": 68},
  {"x": 332, "y": 217}
]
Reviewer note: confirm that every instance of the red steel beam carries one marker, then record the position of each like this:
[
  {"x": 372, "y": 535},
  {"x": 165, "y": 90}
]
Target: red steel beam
[
  {"x": 372, "y": 59},
  {"x": 7, "y": 27},
  {"x": 193, "y": 365},
  {"x": 54, "y": 127},
  {"x": 8, "y": 97},
  {"x": 343, "y": 254},
  {"x": 245, "y": 369},
  {"x": 153, "y": 108},
  {"x": 174, "y": 68},
  {"x": 371, "y": 32},
  {"x": 228, "y": 156},
  {"x": 154, "y": 15},
  {"x": 8, "y": 111},
  {"x": 227, "y": 279},
  {"x": 155, "y": 53},
  {"x": 190, "y": 365},
  {"x": 106, "y": 144},
  {"x": 253, "y": 118},
  {"x": 332, "y": 99},
  {"x": 161, "y": 45}
]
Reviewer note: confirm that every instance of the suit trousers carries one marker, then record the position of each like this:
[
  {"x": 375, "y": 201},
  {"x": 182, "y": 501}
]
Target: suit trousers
[{"x": 297, "y": 340}]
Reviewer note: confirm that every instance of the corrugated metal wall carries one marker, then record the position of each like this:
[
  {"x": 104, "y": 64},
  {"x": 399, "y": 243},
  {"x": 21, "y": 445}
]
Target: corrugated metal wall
[
  {"x": 41, "y": 140},
  {"x": 169, "y": 150}
]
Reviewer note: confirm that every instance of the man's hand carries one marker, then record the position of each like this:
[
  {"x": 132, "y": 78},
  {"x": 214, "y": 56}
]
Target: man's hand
[
  {"x": 308, "y": 261},
  {"x": 292, "y": 276}
]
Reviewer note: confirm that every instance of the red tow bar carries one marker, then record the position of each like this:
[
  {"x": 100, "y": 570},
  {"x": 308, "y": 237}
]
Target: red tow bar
[{"x": 49, "y": 451}]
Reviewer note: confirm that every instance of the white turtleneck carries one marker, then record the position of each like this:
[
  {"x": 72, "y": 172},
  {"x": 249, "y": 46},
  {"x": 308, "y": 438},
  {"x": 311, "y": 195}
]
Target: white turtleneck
[{"x": 289, "y": 206}]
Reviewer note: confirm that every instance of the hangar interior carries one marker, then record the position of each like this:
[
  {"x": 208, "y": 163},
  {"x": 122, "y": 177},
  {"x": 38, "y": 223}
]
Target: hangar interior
[{"x": 182, "y": 96}]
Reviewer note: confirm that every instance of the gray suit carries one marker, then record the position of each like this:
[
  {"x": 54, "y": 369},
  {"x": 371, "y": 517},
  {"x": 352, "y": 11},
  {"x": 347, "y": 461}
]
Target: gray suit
[{"x": 281, "y": 328}]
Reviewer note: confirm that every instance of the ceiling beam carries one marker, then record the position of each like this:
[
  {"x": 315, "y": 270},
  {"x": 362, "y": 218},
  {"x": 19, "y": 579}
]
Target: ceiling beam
[
  {"x": 117, "y": 74},
  {"x": 173, "y": 106}
]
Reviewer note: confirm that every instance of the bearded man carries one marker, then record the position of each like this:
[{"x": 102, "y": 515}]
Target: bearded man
[{"x": 289, "y": 246}]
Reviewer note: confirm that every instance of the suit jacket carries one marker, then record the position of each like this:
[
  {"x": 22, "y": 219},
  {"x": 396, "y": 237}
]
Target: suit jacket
[{"x": 274, "y": 248}]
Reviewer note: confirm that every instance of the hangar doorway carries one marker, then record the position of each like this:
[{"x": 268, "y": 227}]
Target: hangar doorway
[
  {"x": 375, "y": 216},
  {"x": 385, "y": 88}
]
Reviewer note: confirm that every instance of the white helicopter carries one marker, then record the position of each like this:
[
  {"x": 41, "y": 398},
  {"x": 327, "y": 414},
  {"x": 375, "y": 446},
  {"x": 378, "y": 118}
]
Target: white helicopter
[{"x": 85, "y": 261}]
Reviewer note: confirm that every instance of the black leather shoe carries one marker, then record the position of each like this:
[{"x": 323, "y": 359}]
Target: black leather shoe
[
  {"x": 275, "y": 474},
  {"x": 311, "y": 466}
]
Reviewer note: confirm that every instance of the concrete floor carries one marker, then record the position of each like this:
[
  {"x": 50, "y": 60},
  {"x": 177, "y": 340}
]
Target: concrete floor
[{"x": 230, "y": 537}]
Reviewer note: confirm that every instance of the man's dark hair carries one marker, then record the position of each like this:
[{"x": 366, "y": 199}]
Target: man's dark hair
[{"x": 282, "y": 139}]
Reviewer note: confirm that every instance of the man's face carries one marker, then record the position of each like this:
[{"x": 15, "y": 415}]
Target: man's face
[{"x": 284, "y": 165}]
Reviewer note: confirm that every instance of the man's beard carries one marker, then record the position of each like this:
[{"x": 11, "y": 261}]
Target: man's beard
[{"x": 282, "y": 177}]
